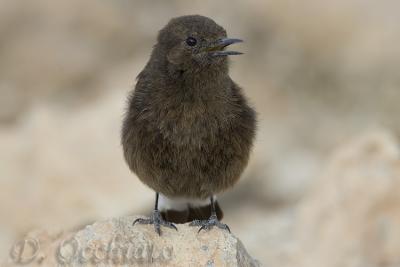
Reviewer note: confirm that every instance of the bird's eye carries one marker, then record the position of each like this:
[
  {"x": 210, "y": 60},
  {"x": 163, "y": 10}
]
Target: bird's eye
[{"x": 190, "y": 41}]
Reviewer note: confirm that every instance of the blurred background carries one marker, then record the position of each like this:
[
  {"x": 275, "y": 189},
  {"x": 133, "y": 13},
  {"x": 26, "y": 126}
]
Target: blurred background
[{"x": 323, "y": 184}]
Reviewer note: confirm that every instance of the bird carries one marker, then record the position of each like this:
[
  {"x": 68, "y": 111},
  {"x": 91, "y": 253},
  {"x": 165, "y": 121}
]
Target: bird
[{"x": 188, "y": 129}]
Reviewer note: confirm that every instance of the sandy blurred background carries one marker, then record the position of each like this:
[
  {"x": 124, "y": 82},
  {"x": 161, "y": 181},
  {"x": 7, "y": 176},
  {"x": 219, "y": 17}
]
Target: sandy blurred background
[{"x": 320, "y": 189}]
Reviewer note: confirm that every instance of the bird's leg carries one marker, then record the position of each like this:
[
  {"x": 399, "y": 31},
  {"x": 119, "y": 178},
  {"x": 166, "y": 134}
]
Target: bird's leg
[
  {"x": 212, "y": 221},
  {"x": 156, "y": 219}
]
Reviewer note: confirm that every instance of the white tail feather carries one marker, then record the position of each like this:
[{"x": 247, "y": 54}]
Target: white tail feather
[{"x": 179, "y": 204}]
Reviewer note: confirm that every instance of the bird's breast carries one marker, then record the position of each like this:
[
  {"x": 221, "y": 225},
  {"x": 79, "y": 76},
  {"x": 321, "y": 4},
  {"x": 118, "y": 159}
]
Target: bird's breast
[{"x": 192, "y": 124}]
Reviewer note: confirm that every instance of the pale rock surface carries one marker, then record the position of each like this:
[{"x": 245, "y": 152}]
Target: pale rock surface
[
  {"x": 352, "y": 216},
  {"x": 115, "y": 242}
]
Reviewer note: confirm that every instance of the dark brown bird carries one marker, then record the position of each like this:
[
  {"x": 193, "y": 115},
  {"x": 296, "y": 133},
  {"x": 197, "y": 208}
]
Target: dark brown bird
[{"x": 188, "y": 130}]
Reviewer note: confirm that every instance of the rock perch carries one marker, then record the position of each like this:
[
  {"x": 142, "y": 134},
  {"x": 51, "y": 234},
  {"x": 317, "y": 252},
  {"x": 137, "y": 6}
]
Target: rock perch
[{"x": 115, "y": 242}]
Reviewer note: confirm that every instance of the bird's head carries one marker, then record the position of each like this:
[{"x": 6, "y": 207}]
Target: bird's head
[{"x": 194, "y": 43}]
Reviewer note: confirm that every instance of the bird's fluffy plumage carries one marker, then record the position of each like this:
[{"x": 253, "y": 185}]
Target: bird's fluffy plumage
[{"x": 188, "y": 130}]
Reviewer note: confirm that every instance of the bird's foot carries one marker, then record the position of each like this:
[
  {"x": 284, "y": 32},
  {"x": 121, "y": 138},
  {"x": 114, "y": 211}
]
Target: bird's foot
[
  {"x": 210, "y": 223},
  {"x": 157, "y": 220}
]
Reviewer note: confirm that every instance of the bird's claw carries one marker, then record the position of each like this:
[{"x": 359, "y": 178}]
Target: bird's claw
[
  {"x": 157, "y": 220},
  {"x": 210, "y": 223}
]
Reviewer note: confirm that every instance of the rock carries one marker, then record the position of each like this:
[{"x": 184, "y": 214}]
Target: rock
[
  {"x": 352, "y": 217},
  {"x": 115, "y": 242}
]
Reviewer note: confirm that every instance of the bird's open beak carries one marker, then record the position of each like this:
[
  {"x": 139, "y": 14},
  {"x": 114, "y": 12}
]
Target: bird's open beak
[{"x": 217, "y": 49}]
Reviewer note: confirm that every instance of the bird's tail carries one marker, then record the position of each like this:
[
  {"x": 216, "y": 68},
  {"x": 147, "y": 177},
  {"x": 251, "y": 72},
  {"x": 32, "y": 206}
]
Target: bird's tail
[{"x": 187, "y": 212}]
